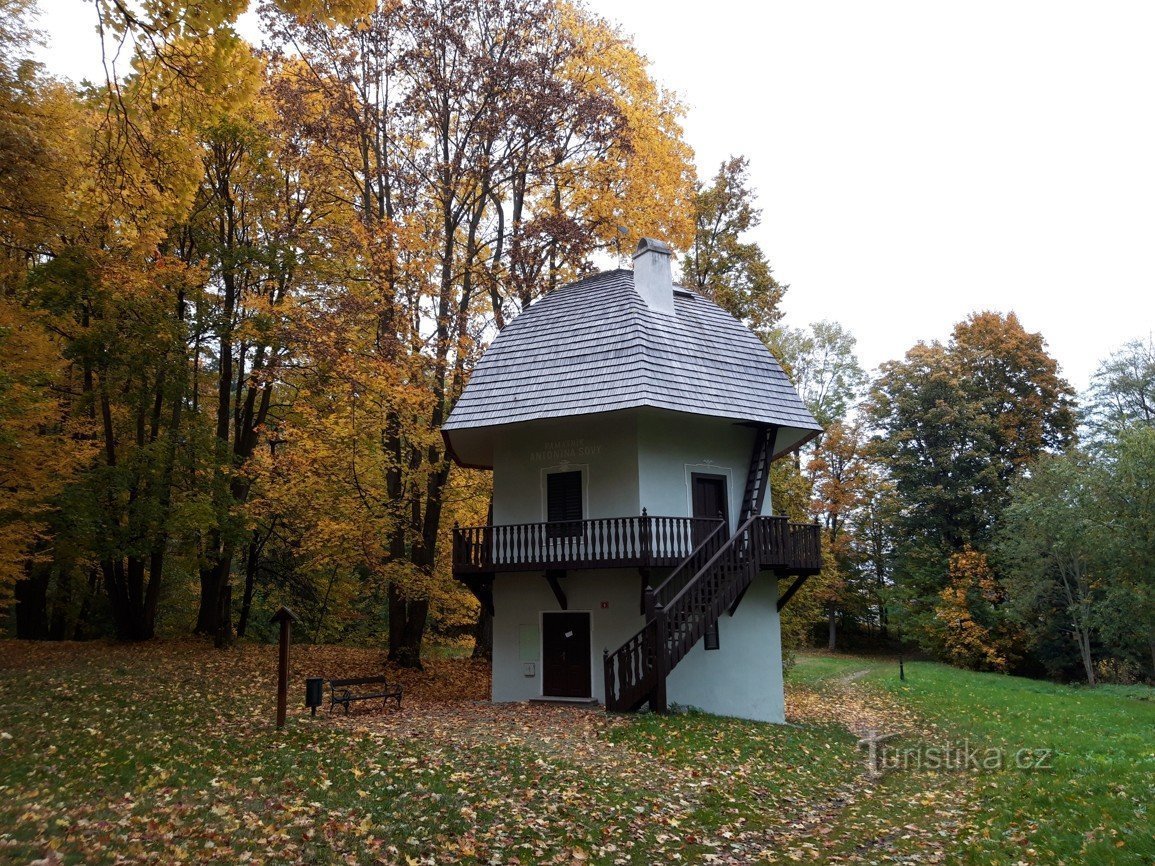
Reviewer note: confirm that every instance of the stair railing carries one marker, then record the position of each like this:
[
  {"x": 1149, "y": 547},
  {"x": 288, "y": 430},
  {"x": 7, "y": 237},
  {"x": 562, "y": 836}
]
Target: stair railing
[
  {"x": 708, "y": 583},
  {"x": 687, "y": 568},
  {"x": 710, "y": 592}
]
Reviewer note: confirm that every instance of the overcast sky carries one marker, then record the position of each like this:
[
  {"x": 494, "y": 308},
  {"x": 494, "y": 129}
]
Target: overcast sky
[{"x": 915, "y": 161}]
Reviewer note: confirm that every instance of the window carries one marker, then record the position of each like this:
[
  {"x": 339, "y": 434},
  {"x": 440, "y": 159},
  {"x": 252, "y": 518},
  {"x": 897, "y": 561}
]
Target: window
[
  {"x": 564, "y": 504},
  {"x": 711, "y": 637}
]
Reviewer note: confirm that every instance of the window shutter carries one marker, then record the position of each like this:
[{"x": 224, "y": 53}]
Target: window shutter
[
  {"x": 711, "y": 637},
  {"x": 564, "y": 490},
  {"x": 564, "y": 504}
]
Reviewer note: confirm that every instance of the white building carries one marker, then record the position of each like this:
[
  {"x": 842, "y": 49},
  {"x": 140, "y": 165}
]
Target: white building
[{"x": 632, "y": 557}]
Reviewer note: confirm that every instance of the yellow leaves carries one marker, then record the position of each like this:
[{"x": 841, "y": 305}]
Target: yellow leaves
[
  {"x": 39, "y": 447},
  {"x": 646, "y": 181}
]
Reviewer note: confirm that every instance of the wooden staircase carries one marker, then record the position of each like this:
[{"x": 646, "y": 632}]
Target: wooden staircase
[
  {"x": 705, "y": 585},
  {"x": 758, "y": 477}
]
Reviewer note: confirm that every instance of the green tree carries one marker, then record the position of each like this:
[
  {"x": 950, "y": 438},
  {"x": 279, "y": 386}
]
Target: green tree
[
  {"x": 1122, "y": 392},
  {"x": 823, "y": 366},
  {"x": 720, "y": 264},
  {"x": 955, "y": 424},
  {"x": 1126, "y": 509},
  {"x": 1048, "y": 544}
]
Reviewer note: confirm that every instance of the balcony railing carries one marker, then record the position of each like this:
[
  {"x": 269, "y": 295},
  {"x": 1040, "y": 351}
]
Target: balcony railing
[
  {"x": 604, "y": 542},
  {"x": 621, "y": 542}
]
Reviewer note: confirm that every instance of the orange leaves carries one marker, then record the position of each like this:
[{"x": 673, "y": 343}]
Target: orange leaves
[{"x": 963, "y": 613}]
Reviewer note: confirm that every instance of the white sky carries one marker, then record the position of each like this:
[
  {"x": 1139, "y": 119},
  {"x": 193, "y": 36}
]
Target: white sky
[{"x": 915, "y": 161}]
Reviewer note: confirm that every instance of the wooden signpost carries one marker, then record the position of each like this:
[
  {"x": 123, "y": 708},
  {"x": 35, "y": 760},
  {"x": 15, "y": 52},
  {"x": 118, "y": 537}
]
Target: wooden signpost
[{"x": 285, "y": 617}]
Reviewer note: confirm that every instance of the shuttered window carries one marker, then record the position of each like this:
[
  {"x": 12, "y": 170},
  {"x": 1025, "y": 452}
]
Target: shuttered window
[
  {"x": 711, "y": 637},
  {"x": 564, "y": 503}
]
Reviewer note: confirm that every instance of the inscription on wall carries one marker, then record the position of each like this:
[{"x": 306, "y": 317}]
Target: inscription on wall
[{"x": 565, "y": 451}]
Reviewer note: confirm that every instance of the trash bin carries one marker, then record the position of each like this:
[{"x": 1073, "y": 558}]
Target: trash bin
[{"x": 314, "y": 691}]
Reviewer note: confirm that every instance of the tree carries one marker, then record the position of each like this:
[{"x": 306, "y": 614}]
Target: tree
[
  {"x": 1126, "y": 503},
  {"x": 838, "y": 471},
  {"x": 955, "y": 423},
  {"x": 481, "y": 151},
  {"x": 732, "y": 272},
  {"x": 1018, "y": 384},
  {"x": 875, "y": 520},
  {"x": 254, "y": 225},
  {"x": 1048, "y": 544},
  {"x": 41, "y": 442},
  {"x": 1122, "y": 392},
  {"x": 822, "y": 364},
  {"x": 967, "y": 621}
]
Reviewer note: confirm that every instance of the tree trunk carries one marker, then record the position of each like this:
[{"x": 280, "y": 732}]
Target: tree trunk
[
  {"x": 224, "y": 635},
  {"x": 214, "y": 577},
  {"x": 831, "y": 627},
  {"x": 123, "y": 579},
  {"x": 1085, "y": 652},
  {"x": 90, "y": 595},
  {"x": 32, "y": 605},
  {"x": 209, "y": 601},
  {"x": 252, "y": 563},
  {"x": 406, "y": 628},
  {"x": 483, "y": 636}
]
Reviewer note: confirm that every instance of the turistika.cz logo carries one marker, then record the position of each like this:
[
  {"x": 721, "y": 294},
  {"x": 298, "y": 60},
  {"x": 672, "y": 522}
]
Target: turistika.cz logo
[{"x": 957, "y": 756}]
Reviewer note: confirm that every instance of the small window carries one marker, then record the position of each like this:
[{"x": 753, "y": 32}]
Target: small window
[
  {"x": 711, "y": 636},
  {"x": 564, "y": 504}
]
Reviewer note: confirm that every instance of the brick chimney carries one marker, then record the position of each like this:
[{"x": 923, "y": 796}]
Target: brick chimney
[{"x": 653, "y": 278}]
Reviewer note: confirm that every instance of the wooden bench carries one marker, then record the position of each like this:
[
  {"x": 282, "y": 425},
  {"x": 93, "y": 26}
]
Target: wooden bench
[{"x": 362, "y": 689}]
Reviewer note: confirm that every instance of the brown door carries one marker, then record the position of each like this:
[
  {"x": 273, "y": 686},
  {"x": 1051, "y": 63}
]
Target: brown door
[
  {"x": 709, "y": 499},
  {"x": 565, "y": 655}
]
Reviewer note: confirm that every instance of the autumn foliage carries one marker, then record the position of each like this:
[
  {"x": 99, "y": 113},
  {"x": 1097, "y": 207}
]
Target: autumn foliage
[{"x": 242, "y": 288}]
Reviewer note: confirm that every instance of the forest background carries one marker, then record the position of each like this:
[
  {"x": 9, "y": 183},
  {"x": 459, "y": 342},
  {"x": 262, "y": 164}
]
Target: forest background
[{"x": 241, "y": 287}]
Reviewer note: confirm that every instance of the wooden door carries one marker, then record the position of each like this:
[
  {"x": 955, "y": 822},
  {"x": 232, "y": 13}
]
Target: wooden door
[
  {"x": 565, "y": 655},
  {"x": 709, "y": 499}
]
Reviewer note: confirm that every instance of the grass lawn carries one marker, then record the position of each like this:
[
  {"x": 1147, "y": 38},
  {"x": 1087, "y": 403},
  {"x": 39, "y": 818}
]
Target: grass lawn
[
  {"x": 165, "y": 753},
  {"x": 1092, "y": 801}
]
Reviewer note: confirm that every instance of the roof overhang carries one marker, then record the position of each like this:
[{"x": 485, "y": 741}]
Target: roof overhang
[
  {"x": 473, "y": 447},
  {"x": 790, "y": 439}
]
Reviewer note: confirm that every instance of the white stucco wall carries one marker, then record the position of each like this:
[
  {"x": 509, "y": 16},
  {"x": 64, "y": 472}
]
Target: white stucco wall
[
  {"x": 519, "y": 599},
  {"x": 604, "y": 447},
  {"x": 673, "y": 446},
  {"x": 743, "y": 677}
]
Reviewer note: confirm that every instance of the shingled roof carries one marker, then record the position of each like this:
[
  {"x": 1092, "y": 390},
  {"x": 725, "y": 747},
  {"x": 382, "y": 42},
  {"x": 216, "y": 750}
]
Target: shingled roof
[{"x": 596, "y": 346}]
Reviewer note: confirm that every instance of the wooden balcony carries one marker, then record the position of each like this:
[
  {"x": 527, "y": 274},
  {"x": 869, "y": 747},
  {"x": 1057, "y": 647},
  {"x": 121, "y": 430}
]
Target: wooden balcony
[{"x": 645, "y": 541}]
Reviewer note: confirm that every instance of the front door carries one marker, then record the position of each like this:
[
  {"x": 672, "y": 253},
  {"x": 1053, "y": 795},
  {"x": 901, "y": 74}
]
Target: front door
[
  {"x": 565, "y": 655},
  {"x": 709, "y": 498}
]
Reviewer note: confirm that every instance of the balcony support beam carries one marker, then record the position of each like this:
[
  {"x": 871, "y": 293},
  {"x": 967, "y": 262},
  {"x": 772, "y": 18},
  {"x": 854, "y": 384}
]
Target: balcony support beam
[
  {"x": 553, "y": 577},
  {"x": 790, "y": 590}
]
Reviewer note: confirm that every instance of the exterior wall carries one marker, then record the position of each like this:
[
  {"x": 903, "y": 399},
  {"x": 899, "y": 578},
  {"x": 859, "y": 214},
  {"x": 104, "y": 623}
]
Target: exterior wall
[
  {"x": 604, "y": 447},
  {"x": 672, "y": 446},
  {"x": 743, "y": 677},
  {"x": 631, "y": 459},
  {"x": 519, "y": 599}
]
